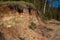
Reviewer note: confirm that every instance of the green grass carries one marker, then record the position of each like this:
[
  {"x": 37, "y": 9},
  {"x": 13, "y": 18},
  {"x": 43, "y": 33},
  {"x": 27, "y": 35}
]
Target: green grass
[{"x": 17, "y": 2}]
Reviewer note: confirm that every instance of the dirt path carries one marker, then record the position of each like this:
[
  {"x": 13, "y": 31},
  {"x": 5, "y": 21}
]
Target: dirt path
[{"x": 55, "y": 34}]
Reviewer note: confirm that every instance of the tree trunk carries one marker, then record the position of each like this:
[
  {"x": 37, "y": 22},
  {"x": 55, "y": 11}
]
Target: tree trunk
[{"x": 45, "y": 6}]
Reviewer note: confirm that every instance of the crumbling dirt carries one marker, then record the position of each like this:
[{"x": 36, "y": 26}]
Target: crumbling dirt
[
  {"x": 14, "y": 24},
  {"x": 24, "y": 22}
]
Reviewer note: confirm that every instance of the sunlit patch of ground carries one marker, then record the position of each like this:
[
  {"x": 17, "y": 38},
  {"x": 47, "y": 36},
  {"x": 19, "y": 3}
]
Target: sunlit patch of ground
[{"x": 55, "y": 25}]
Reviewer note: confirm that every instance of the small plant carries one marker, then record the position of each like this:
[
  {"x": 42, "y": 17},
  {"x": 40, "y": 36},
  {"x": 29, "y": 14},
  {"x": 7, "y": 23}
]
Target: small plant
[
  {"x": 32, "y": 26},
  {"x": 21, "y": 38}
]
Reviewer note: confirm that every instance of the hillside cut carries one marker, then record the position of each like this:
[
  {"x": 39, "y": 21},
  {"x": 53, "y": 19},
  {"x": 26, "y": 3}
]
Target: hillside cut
[{"x": 18, "y": 21}]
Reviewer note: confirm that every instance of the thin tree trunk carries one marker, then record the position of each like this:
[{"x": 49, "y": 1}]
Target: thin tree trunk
[{"x": 45, "y": 6}]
